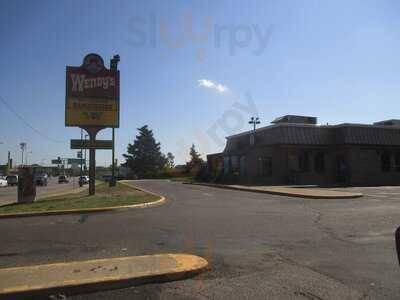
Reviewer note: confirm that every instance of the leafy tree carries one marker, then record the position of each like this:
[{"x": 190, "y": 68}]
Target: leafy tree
[
  {"x": 170, "y": 160},
  {"x": 144, "y": 157}
]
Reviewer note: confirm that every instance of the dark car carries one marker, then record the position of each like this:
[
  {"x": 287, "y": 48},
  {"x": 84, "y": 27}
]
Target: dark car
[
  {"x": 41, "y": 180},
  {"x": 62, "y": 179},
  {"x": 12, "y": 180}
]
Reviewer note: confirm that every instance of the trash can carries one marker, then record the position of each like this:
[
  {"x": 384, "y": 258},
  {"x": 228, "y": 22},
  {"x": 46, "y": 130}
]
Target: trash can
[{"x": 26, "y": 185}]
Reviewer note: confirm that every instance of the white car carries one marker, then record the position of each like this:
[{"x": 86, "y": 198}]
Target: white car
[{"x": 3, "y": 182}]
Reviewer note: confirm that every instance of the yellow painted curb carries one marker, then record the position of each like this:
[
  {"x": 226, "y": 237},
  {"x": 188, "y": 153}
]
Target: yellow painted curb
[
  {"x": 99, "y": 274},
  {"x": 90, "y": 210}
]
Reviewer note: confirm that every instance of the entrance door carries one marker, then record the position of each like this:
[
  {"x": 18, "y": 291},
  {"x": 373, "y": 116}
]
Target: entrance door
[{"x": 342, "y": 168}]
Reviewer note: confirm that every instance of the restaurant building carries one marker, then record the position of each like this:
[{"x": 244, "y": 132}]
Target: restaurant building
[{"x": 295, "y": 150}]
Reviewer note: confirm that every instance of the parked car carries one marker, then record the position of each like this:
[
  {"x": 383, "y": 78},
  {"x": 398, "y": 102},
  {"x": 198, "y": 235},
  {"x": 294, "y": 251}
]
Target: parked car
[
  {"x": 41, "y": 180},
  {"x": 12, "y": 180},
  {"x": 83, "y": 180},
  {"x": 63, "y": 179},
  {"x": 3, "y": 182}
]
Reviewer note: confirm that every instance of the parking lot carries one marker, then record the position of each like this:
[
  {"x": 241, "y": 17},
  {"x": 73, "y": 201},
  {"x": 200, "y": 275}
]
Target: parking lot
[
  {"x": 258, "y": 245},
  {"x": 377, "y": 192},
  {"x": 9, "y": 194}
]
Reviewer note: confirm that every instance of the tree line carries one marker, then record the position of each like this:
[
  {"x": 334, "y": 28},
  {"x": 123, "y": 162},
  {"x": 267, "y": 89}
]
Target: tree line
[{"x": 145, "y": 159}]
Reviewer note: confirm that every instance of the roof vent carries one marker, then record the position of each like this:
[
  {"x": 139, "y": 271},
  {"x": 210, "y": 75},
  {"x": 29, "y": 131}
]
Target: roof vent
[{"x": 296, "y": 120}]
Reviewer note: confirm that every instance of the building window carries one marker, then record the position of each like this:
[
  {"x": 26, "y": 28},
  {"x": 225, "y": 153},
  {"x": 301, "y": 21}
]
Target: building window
[
  {"x": 226, "y": 165},
  {"x": 265, "y": 166},
  {"x": 251, "y": 139},
  {"x": 235, "y": 164},
  {"x": 385, "y": 162},
  {"x": 243, "y": 166},
  {"x": 397, "y": 161},
  {"x": 304, "y": 162},
  {"x": 319, "y": 162}
]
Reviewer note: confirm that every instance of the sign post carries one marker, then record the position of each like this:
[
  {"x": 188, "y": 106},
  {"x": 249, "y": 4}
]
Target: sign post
[{"x": 92, "y": 103}]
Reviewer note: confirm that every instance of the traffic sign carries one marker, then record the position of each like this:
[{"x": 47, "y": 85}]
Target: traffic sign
[
  {"x": 75, "y": 161},
  {"x": 87, "y": 144}
]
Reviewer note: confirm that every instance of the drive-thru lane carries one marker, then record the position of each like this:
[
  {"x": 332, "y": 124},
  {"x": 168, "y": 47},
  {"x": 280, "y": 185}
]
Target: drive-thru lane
[{"x": 257, "y": 245}]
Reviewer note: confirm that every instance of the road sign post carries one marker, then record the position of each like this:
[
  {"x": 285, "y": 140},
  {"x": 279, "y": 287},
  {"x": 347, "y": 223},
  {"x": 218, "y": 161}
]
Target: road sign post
[
  {"x": 92, "y": 103},
  {"x": 92, "y": 131}
]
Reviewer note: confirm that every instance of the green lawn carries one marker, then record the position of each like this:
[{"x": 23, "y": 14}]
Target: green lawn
[{"x": 105, "y": 197}]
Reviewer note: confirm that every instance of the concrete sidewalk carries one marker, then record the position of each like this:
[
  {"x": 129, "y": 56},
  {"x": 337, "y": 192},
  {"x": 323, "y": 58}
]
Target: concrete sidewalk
[
  {"x": 314, "y": 193},
  {"x": 94, "y": 275}
]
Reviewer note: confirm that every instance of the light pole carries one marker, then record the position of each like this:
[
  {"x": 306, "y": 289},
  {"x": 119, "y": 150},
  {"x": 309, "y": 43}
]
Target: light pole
[
  {"x": 254, "y": 121},
  {"x": 26, "y": 156},
  {"x": 1, "y": 143},
  {"x": 23, "y": 148}
]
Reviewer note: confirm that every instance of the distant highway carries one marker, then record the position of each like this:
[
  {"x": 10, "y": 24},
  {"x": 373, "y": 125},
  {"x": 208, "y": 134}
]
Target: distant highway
[{"x": 9, "y": 194}]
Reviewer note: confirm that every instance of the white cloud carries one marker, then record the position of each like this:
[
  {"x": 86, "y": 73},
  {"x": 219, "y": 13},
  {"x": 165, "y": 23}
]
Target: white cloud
[{"x": 220, "y": 88}]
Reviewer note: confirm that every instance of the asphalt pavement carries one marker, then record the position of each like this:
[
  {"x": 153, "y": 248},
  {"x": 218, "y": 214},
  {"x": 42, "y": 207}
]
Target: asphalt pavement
[{"x": 259, "y": 246}]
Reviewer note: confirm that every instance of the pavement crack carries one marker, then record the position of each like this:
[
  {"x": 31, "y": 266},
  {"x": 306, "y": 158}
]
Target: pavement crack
[
  {"x": 317, "y": 221},
  {"x": 308, "y": 295}
]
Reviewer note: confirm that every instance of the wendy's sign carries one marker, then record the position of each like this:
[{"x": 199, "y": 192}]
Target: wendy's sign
[{"x": 92, "y": 94}]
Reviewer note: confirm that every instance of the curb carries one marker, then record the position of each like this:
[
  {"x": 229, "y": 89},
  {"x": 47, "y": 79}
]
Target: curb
[
  {"x": 90, "y": 210},
  {"x": 282, "y": 193},
  {"x": 97, "y": 275}
]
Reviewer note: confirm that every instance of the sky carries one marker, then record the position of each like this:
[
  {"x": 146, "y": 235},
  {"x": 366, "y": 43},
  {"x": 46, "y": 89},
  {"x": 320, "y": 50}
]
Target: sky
[{"x": 196, "y": 71}]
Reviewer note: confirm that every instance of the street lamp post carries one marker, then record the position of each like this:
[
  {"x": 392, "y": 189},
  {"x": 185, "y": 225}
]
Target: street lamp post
[
  {"x": 26, "y": 156},
  {"x": 23, "y": 148},
  {"x": 255, "y": 122}
]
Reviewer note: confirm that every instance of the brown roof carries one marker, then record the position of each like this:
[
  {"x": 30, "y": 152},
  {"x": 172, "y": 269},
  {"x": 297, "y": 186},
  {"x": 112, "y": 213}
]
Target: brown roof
[{"x": 304, "y": 134}]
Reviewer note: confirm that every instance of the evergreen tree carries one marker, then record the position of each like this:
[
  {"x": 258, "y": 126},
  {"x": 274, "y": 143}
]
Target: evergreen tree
[
  {"x": 170, "y": 160},
  {"x": 144, "y": 157},
  {"x": 195, "y": 162}
]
